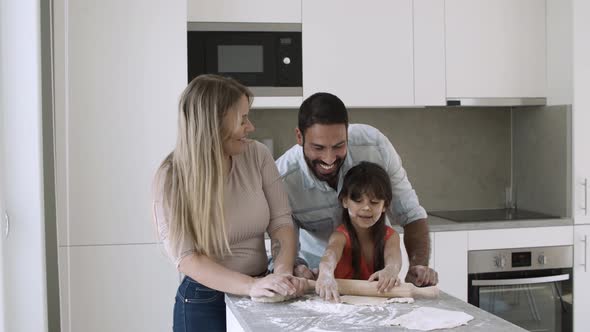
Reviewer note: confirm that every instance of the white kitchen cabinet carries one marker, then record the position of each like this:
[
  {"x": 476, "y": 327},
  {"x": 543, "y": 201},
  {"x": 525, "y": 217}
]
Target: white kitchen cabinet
[
  {"x": 429, "y": 53},
  {"x": 253, "y": 11},
  {"x": 581, "y": 111},
  {"x": 495, "y": 48},
  {"x": 360, "y": 51},
  {"x": 117, "y": 86},
  {"x": 117, "y": 288},
  {"x": 450, "y": 254},
  {"x": 581, "y": 278}
]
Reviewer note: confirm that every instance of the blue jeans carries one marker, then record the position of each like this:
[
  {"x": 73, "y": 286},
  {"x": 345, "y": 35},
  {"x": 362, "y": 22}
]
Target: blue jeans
[{"x": 198, "y": 308}]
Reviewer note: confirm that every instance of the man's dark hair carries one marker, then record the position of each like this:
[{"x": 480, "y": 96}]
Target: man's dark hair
[{"x": 323, "y": 108}]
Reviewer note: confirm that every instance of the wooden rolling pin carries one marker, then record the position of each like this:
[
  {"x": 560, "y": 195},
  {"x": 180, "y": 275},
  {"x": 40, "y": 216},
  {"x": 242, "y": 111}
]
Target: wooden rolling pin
[{"x": 369, "y": 288}]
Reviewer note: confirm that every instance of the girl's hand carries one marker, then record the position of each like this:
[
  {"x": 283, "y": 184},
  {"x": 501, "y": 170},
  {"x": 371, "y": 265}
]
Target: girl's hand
[
  {"x": 388, "y": 278},
  {"x": 327, "y": 288},
  {"x": 273, "y": 284}
]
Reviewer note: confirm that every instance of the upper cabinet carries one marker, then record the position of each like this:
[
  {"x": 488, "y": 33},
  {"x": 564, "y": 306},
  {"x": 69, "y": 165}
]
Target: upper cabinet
[
  {"x": 258, "y": 11},
  {"x": 495, "y": 49},
  {"x": 402, "y": 53},
  {"x": 359, "y": 51}
]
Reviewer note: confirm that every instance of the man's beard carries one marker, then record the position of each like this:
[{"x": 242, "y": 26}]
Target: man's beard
[{"x": 312, "y": 164}]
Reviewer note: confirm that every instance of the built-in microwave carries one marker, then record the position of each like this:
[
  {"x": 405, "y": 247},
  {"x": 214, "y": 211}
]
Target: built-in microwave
[{"x": 265, "y": 57}]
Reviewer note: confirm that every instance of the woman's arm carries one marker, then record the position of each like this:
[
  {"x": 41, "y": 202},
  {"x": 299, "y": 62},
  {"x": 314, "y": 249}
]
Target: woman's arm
[
  {"x": 283, "y": 249},
  {"x": 283, "y": 252},
  {"x": 213, "y": 275},
  {"x": 392, "y": 259},
  {"x": 326, "y": 286}
]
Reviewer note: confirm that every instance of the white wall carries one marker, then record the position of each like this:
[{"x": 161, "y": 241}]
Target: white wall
[{"x": 24, "y": 288}]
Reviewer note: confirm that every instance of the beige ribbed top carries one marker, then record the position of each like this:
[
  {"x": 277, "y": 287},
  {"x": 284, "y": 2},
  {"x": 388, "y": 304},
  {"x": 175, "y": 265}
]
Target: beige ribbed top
[{"x": 255, "y": 203}]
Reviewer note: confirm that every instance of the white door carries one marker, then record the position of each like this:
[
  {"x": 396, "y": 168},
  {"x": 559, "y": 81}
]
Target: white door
[
  {"x": 581, "y": 278},
  {"x": 581, "y": 111},
  {"x": 24, "y": 296}
]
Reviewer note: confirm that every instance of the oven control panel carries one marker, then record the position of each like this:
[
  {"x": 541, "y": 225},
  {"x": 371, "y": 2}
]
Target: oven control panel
[{"x": 481, "y": 261}]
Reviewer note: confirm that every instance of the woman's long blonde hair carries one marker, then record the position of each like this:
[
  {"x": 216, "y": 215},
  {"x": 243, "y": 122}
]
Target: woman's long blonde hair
[{"x": 194, "y": 174}]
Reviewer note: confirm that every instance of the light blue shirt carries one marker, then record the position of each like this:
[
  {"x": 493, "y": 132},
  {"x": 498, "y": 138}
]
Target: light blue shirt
[{"x": 315, "y": 206}]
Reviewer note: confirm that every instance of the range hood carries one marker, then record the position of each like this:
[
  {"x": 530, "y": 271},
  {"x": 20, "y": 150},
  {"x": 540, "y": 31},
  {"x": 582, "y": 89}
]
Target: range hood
[{"x": 496, "y": 102}]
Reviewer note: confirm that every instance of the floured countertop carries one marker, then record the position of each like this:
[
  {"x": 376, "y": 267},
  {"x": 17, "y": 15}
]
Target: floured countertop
[{"x": 304, "y": 315}]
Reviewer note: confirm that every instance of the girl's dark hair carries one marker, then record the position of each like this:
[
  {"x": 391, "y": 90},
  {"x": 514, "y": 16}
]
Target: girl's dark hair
[
  {"x": 372, "y": 180},
  {"x": 321, "y": 108}
]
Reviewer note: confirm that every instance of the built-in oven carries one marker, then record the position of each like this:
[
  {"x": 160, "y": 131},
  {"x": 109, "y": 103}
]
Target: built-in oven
[
  {"x": 530, "y": 287},
  {"x": 264, "y": 56}
]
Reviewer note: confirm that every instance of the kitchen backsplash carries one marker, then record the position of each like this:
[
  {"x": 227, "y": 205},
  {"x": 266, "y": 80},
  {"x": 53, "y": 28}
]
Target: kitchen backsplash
[
  {"x": 456, "y": 158},
  {"x": 542, "y": 151}
]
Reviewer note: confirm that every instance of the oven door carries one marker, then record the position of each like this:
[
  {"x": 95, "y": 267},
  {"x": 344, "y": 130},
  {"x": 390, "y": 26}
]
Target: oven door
[{"x": 538, "y": 300}]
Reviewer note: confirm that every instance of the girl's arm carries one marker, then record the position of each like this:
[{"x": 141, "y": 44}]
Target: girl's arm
[
  {"x": 326, "y": 286},
  {"x": 213, "y": 275},
  {"x": 389, "y": 276}
]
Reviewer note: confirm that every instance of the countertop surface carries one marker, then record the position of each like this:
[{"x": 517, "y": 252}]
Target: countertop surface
[
  {"x": 437, "y": 224},
  {"x": 294, "y": 316}
]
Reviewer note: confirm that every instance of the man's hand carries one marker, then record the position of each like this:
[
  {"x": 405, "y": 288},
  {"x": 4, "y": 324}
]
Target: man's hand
[
  {"x": 303, "y": 271},
  {"x": 422, "y": 276}
]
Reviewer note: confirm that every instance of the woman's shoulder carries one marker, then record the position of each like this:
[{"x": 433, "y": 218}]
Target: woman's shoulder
[{"x": 256, "y": 152}]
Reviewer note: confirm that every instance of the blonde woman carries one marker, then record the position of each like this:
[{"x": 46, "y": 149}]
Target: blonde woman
[{"x": 215, "y": 196}]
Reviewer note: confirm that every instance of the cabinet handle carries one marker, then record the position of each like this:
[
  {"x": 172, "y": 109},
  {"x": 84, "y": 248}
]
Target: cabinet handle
[
  {"x": 6, "y": 225},
  {"x": 585, "y": 240},
  {"x": 585, "y": 196}
]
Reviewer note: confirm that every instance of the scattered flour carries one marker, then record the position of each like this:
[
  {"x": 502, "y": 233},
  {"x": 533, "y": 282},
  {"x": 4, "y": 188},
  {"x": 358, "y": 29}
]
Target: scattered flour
[{"x": 319, "y": 305}]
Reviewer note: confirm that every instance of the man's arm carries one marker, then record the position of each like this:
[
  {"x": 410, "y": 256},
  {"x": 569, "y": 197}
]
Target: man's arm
[{"x": 417, "y": 242}]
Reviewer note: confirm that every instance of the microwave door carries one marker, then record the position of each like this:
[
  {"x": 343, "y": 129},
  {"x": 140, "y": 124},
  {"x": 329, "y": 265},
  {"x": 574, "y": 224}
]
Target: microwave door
[{"x": 247, "y": 57}]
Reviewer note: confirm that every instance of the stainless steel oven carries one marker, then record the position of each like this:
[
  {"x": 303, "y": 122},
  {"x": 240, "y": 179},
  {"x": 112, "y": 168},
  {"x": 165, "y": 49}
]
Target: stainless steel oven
[{"x": 530, "y": 287}]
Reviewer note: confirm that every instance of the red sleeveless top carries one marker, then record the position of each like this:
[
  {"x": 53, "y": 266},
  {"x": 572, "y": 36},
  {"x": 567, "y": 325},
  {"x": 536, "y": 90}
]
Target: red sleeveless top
[{"x": 344, "y": 268}]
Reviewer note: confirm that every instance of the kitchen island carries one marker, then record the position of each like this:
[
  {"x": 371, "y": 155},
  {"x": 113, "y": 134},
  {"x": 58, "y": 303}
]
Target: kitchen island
[{"x": 244, "y": 314}]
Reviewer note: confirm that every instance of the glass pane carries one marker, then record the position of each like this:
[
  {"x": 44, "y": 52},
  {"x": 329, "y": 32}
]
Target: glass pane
[
  {"x": 539, "y": 307},
  {"x": 240, "y": 58}
]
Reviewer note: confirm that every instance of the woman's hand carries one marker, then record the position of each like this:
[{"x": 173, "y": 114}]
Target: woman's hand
[
  {"x": 273, "y": 284},
  {"x": 327, "y": 288},
  {"x": 388, "y": 278},
  {"x": 300, "y": 285}
]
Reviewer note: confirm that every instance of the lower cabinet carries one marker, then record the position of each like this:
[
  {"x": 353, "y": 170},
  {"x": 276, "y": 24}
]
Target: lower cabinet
[
  {"x": 450, "y": 257},
  {"x": 116, "y": 288},
  {"x": 581, "y": 278}
]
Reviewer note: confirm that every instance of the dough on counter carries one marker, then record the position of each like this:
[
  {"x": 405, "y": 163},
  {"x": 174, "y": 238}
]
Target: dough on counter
[
  {"x": 400, "y": 300},
  {"x": 427, "y": 319}
]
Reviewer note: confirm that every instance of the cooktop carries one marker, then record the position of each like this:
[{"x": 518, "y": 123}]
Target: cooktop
[{"x": 490, "y": 215}]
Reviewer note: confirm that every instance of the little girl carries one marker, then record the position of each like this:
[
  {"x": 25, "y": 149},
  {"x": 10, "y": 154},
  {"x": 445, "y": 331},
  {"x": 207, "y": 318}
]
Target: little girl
[{"x": 363, "y": 247}]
